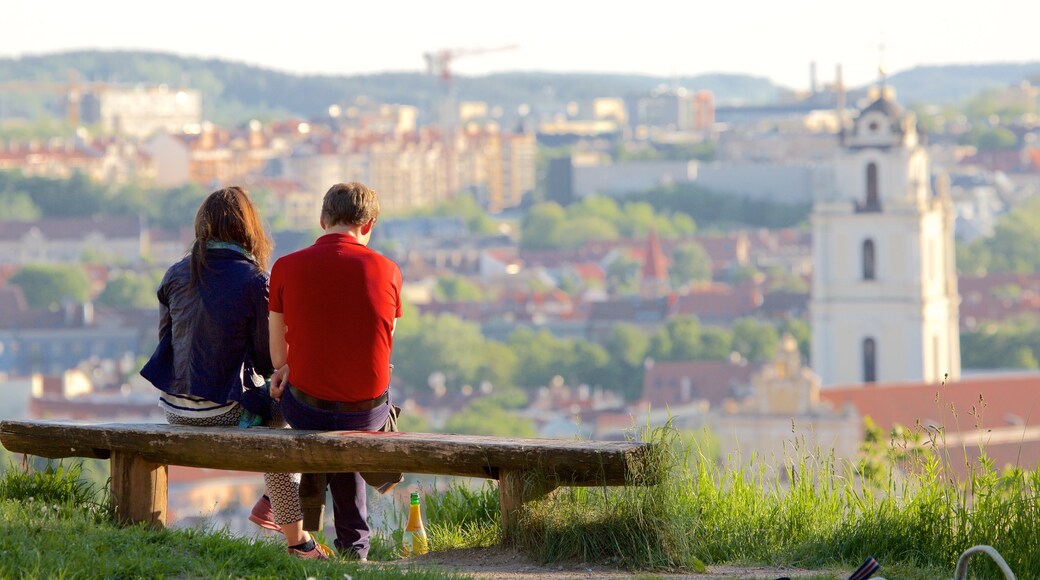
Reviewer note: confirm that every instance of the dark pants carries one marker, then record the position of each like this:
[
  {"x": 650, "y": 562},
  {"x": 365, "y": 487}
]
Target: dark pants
[{"x": 350, "y": 508}]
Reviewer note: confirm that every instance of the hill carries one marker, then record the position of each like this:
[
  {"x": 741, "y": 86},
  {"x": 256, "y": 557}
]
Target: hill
[
  {"x": 235, "y": 92},
  {"x": 949, "y": 84}
]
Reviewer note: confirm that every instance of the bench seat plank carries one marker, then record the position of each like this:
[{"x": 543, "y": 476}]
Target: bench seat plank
[{"x": 281, "y": 450}]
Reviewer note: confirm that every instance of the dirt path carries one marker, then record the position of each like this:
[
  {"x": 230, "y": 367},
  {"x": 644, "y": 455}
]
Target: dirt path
[{"x": 505, "y": 564}]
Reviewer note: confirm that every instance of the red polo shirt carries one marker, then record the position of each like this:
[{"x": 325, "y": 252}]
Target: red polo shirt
[{"x": 339, "y": 300}]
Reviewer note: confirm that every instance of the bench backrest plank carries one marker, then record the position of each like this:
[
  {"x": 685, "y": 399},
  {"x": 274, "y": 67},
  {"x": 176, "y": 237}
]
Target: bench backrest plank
[{"x": 281, "y": 450}]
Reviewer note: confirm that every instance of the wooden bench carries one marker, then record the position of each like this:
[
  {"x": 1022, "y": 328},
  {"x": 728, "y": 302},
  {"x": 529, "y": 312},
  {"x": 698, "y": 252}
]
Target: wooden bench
[{"x": 526, "y": 469}]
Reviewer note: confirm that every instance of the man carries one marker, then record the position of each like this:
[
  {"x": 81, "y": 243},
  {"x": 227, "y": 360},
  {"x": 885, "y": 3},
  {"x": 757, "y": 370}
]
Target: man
[{"x": 333, "y": 310}]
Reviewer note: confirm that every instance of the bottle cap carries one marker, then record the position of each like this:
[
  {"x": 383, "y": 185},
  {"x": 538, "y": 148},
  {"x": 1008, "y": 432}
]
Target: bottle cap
[{"x": 415, "y": 498}]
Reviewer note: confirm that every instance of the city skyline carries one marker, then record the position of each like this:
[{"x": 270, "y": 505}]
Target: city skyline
[{"x": 776, "y": 41}]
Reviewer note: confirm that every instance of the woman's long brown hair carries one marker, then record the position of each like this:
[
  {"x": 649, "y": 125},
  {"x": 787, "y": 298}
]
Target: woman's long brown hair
[{"x": 228, "y": 215}]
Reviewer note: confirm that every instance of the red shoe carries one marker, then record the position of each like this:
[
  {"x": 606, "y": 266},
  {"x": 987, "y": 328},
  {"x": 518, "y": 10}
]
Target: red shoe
[
  {"x": 263, "y": 516},
  {"x": 320, "y": 552}
]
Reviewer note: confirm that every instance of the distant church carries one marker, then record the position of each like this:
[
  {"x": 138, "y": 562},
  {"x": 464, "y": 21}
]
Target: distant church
[{"x": 884, "y": 293}]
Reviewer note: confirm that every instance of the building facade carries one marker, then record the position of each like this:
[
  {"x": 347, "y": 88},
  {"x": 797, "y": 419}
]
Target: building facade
[{"x": 884, "y": 301}]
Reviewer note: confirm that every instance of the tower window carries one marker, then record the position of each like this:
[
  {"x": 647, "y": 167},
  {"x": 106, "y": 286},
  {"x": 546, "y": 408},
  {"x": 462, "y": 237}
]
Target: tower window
[
  {"x": 869, "y": 261},
  {"x": 873, "y": 203},
  {"x": 869, "y": 360}
]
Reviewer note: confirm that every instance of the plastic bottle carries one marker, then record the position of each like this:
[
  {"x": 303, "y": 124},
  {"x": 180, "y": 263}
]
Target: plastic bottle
[{"x": 414, "y": 542}]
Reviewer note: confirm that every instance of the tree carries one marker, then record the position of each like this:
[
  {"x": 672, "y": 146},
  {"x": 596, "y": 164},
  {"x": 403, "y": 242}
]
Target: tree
[
  {"x": 18, "y": 206},
  {"x": 1014, "y": 343},
  {"x": 639, "y": 218},
  {"x": 1015, "y": 245},
  {"x": 539, "y": 228},
  {"x": 588, "y": 363},
  {"x": 685, "y": 335},
  {"x": 445, "y": 344},
  {"x": 487, "y": 417},
  {"x": 498, "y": 365},
  {"x": 129, "y": 289},
  {"x": 457, "y": 289},
  {"x": 478, "y": 222},
  {"x": 716, "y": 343},
  {"x": 177, "y": 207},
  {"x": 627, "y": 347},
  {"x": 540, "y": 356},
  {"x": 576, "y": 231},
  {"x": 991, "y": 139},
  {"x": 756, "y": 341},
  {"x": 690, "y": 263},
  {"x": 660, "y": 347},
  {"x": 600, "y": 206},
  {"x": 47, "y": 286},
  {"x": 623, "y": 275}
]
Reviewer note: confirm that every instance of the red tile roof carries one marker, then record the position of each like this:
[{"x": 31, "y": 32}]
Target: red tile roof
[
  {"x": 998, "y": 414},
  {"x": 655, "y": 265},
  {"x": 1001, "y": 401},
  {"x": 74, "y": 228},
  {"x": 713, "y": 381}
]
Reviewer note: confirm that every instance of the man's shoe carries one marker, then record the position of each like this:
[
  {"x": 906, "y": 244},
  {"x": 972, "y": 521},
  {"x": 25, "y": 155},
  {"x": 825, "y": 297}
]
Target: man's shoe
[
  {"x": 320, "y": 552},
  {"x": 263, "y": 516}
]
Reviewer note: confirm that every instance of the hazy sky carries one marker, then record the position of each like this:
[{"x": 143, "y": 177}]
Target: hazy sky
[{"x": 771, "y": 38}]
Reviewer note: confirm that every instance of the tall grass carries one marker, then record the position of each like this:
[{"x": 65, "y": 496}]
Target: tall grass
[
  {"x": 814, "y": 512},
  {"x": 460, "y": 517}
]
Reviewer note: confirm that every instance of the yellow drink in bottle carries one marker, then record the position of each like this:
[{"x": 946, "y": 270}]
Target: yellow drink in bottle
[{"x": 414, "y": 543}]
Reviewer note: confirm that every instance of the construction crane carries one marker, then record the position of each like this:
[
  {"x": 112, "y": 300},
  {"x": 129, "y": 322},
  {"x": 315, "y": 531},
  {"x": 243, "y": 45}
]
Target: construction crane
[
  {"x": 73, "y": 91},
  {"x": 439, "y": 62}
]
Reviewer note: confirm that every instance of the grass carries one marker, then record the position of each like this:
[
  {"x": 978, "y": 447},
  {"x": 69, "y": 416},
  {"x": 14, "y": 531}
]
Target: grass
[
  {"x": 820, "y": 514},
  {"x": 53, "y": 526},
  {"x": 813, "y": 512}
]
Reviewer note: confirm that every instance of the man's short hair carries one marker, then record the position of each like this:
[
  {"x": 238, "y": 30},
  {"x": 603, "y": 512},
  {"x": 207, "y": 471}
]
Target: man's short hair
[{"x": 349, "y": 204}]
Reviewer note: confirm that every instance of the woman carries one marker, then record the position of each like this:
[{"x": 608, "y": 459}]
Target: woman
[{"x": 213, "y": 351}]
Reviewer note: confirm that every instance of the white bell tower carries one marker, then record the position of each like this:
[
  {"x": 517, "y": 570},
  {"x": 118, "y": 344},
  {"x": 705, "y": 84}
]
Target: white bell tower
[{"x": 884, "y": 293}]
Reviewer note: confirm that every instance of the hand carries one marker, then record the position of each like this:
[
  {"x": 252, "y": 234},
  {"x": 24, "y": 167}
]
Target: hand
[{"x": 279, "y": 380}]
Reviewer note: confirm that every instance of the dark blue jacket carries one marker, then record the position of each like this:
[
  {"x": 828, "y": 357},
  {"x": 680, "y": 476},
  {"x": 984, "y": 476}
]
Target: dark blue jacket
[{"x": 213, "y": 337}]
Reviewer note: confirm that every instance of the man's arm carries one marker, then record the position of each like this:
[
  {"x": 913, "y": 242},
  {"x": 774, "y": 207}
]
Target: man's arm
[{"x": 279, "y": 353}]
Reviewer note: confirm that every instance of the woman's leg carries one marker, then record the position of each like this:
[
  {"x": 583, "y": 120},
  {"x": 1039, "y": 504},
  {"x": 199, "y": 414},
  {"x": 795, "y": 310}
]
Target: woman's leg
[{"x": 283, "y": 489}]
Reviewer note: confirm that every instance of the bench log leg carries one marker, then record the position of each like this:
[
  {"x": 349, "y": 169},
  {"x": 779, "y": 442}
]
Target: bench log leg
[
  {"x": 138, "y": 490},
  {"x": 515, "y": 488}
]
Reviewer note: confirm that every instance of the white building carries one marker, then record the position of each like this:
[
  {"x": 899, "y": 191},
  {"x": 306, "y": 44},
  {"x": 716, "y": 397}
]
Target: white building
[
  {"x": 884, "y": 297},
  {"x": 141, "y": 111}
]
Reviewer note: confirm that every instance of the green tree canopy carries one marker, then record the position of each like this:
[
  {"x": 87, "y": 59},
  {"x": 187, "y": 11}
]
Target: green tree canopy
[
  {"x": 538, "y": 230},
  {"x": 1014, "y": 247},
  {"x": 478, "y": 222},
  {"x": 991, "y": 139},
  {"x": 444, "y": 344},
  {"x": 130, "y": 289},
  {"x": 627, "y": 348},
  {"x": 457, "y": 289},
  {"x": 18, "y": 206},
  {"x": 623, "y": 274},
  {"x": 487, "y": 417},
  {"x": 690, "y": 263},
  {"x": 755, "y": 340},
  {"x": 548, "y": 225},
  {"x": 47, "y": 286},
  {"x": 178, "y": 206},
  {"x": 1013, "y": 344}
]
